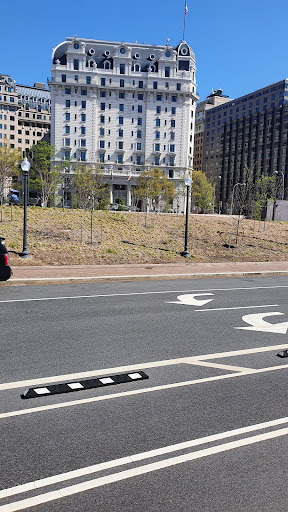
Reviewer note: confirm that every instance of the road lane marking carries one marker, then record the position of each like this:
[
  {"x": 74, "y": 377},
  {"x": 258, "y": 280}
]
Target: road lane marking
[
  {"x": 141, "y": 470},
  {"x": 221, "y": 366},
  {"x": 130, "y": 368},
  {"x": 256, "y": 323},
  {"x": 240, "y": 307},
  {"x": 143, "y": 293},
  {"x": 138, "y": 392},
  {"x": 191, "y": 299},
  {"x": 102, "y": 466}
]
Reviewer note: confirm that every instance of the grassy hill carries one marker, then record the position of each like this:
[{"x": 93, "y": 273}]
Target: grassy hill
[{"x": 57, "y": 237}]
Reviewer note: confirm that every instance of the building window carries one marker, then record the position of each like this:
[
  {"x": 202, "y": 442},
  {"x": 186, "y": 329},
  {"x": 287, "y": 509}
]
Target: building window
[
  {"x": 121, "y": 107},
  {"x": 173, "y": 111},
  {"x": 102, "y": 132},
  {"x": 102, "y": 106},
  {"x": 140, "y": 84},
  {"x": 122, "y": 82},
  {"x": 157, "y": 121},
  {"x": 157, "y": 147},
  {"x": 139, "y": 134},
  {"x": 178, "y": 87},
  {"x": 83, "y": 118},
  {"x": 67, "y": 129},
  {"x": 120, "y": 159},
  {"x": 83, "y": 130},
  {"x": 120, "y": 120},
  {"x": 172, "y": 123},
  {"x": 103, "y": 82},
  {"x": 139, "y": 121},
  {"x": 102, "y": 144},
  {"x": 171, "y": 173},
  {"x": 102, "y": 119},
  {"x": 157, "y": 135},
  {"x": 138, "y": 146},
  {"x": 83, "y": 143},
  {"x": 140, "y": 109},
  {"x": 120, "y": 133},
  {"x": 83, "y": 156},
  {"x": 174, "y": 99},
  {"x": 172, "y": 148},
  {"x": 63, "y": 78},
  {"x": 138, "y": 160},
  {"x": 101, "y": 157},
  {"x": 156, "y": 160},
  {"x": 67, "y": 155},
  {"x": 102, "y": 94},
  {"x": 155, "y": 85},
  {"x": 76, "y": 64},
  {"x": 67, "y": 90},
  {"x": 67, "y": 142},
  {"x": 83, "y": 92},
  {"x": 120, "y": 144},
  {"x": 122, "y": 69},
  {"x": 167, "y": 72},
  {"x": 88, "y": 80},
  {"x": 171, "y": 160},
  {"x": 158, "y": 110},
  {"x": 83, "y": 104},
  {"x": 172, "y": 135},
  {"x": 67, "y": 116},
  {"x": 121, "y": 95}
]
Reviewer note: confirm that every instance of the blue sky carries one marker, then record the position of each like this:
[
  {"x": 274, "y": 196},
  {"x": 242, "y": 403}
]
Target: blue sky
[{"x": 239, "y": 46}]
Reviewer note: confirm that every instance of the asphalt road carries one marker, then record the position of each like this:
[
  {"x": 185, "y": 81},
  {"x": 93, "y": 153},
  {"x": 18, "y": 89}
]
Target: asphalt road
[{"x": 206, "y": 432}]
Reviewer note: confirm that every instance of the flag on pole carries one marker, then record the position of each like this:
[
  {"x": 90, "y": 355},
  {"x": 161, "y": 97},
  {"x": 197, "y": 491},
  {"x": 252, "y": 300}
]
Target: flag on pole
[{"x": 186, "y": 9}]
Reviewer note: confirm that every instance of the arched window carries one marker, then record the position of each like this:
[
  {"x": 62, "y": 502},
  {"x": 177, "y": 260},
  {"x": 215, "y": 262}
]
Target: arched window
[
  {"x": 106, "y": 64},
  {"x": 136, "y": 67}
]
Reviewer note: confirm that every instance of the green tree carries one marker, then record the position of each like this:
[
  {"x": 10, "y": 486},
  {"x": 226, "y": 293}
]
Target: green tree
[
  {"x": 153, "y": 185},
  {"x": 90, "y": 187},
  {"x": 201, "y": 191},
  {"x": 45, "y": 174},
  {"x": 9, "y": 166}
]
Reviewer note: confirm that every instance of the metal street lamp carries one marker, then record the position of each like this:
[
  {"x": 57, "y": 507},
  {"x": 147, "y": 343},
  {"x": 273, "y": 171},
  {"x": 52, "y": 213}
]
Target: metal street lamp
[
  {"x": 283, "y": 184},
  {"x": 185, "y": 253},
  {"x": 214, "y": 193},
  {"x": 236, "y": 185},
  {"x": 25, "y": 166}
]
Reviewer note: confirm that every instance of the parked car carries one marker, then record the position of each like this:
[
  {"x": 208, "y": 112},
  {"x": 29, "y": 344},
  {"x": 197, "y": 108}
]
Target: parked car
[{"x": 5, "y": 269}]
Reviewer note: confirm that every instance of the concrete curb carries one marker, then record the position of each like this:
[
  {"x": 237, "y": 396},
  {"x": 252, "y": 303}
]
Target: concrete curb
[{"x": 140, "y": 277}]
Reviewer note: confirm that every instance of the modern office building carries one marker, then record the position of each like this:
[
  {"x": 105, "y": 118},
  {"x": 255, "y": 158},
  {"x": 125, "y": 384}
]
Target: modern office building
[
  {"x": 24, "y": 114},
  {"x": 214, "y": 99},
  {"x": 249, "y": 131},
  {"x": 125, "y": 107}
]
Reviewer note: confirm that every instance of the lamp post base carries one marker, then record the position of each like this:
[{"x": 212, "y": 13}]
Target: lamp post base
[
  {"x": 185, "y": 254},
  {"x": 24, "y": 254}
]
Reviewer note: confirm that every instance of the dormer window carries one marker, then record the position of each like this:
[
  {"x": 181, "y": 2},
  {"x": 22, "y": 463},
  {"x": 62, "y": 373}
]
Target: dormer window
[
  {"x": 76, "y": 46},
  {"x": 122, "y": 50}
]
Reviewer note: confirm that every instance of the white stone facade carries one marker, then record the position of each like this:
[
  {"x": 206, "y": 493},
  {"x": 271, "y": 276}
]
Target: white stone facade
[{"x": 124, "y": 106}]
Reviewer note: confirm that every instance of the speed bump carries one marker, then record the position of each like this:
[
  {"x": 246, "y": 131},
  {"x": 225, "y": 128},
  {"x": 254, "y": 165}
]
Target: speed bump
[{"x": 69, "y": 387}]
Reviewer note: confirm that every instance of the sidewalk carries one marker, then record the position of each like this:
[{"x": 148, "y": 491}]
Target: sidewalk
[{"x": 28, "y": 275}]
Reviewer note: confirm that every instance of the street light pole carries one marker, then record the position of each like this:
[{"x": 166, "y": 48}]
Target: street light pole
[
  {"x": 283, "y": 183},
  {"x": 25, "y": 166},
  {"x": 185, "y": 253}
]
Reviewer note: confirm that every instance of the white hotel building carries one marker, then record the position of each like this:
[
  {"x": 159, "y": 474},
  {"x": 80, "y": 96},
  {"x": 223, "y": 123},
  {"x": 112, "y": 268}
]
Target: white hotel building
[{"x": 125, "y": 107}]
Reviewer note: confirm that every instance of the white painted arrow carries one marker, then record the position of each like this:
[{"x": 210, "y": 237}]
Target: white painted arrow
[
  {"x": 258, "y": 324},
  {"x": 190, "y": 300}
]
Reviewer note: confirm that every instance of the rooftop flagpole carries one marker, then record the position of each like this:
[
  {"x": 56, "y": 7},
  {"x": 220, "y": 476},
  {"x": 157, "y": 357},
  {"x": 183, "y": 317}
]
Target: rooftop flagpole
[{"x": 185, "y": 12}]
